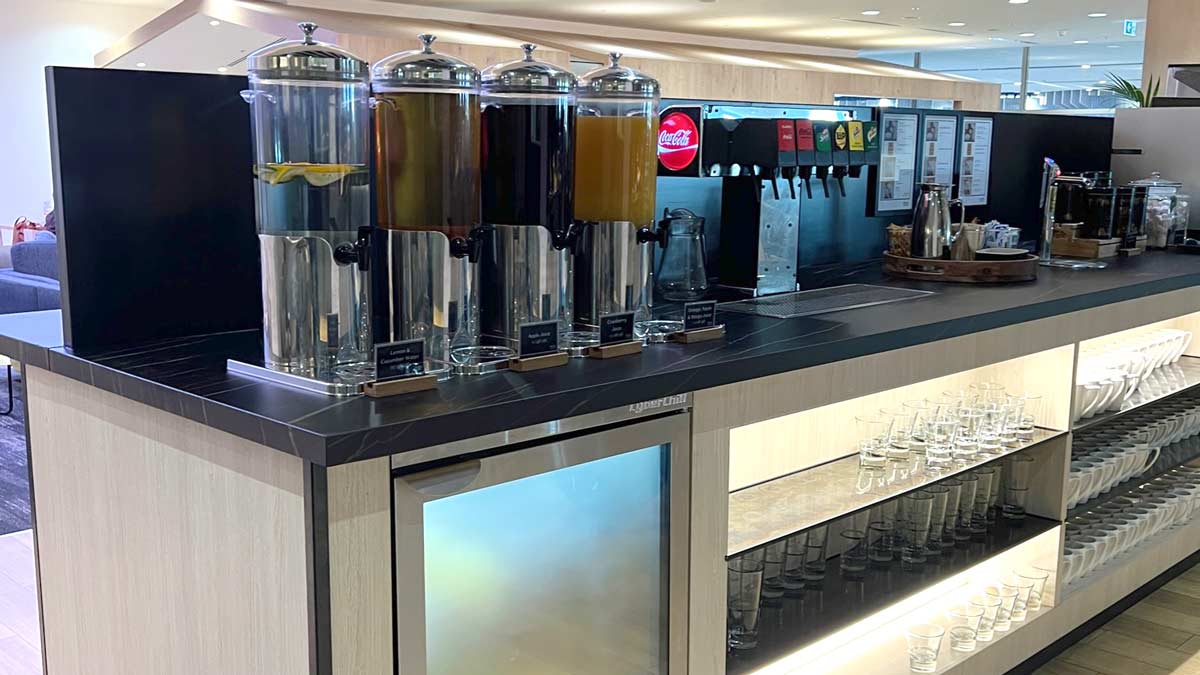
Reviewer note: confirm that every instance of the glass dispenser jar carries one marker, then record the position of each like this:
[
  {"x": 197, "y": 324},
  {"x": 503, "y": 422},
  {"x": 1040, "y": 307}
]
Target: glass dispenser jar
[
  {"x": 310, "y": 121},
  {"x": 616, "y": 171},
  {"x": 1162, "y": 210},
  {"x": 528, "y": 159},
  {"x": 427, "y": 135}
]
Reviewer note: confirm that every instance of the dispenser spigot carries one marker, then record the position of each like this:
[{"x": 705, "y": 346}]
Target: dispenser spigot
[{"x": 358, "y": 253}]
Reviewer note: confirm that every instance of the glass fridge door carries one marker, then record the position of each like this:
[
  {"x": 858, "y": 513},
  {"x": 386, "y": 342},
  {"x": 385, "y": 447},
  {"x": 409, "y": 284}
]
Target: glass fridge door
[{"x": 568, "y": 557}]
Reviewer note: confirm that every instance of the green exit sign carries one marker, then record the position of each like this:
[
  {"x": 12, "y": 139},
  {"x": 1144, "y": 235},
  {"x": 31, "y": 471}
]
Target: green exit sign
[{"x": 1130, "y": 28}]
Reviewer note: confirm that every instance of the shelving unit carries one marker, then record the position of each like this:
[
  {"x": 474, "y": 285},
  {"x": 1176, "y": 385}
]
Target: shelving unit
[
  {"x": 789, "y": 504},
  {"x": 817, "y": 613},
  {"x": 1185, "y": 371},
  {"x": 1175, "y": 455}
]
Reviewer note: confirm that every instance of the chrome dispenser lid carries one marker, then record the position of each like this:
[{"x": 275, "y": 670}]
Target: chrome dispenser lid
[
  {"x": 306, "y": 59},
  {"x": 425, "y": 68},
  {"x": 1156, "y": 180},
  {"x": 617, "y": 81},
  {"x": 528, "y": 75}
]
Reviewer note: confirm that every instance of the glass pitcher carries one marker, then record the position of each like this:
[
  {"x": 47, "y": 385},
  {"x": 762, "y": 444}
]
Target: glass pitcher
[{"x": 681, "y": 275}]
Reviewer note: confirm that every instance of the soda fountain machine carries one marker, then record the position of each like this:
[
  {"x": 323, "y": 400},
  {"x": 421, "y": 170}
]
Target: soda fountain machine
[
  {"x": 310, "y": 124},
  {"x": 528, "y": 162},
  {"x": 427, "y": 186},
  {"x": 615, "y": 184}
]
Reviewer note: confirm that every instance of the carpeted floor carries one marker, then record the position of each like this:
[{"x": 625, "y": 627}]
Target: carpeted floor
[{"x": 14, "y": 462}]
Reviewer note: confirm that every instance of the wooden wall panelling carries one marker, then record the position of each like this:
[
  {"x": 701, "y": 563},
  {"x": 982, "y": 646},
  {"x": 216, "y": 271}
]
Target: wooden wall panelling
[
  {"x": 360, "y": 567},
  {"x": 164, "y": 545}
]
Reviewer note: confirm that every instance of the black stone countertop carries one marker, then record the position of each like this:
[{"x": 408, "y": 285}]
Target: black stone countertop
[{"x": 188, "y": 376}]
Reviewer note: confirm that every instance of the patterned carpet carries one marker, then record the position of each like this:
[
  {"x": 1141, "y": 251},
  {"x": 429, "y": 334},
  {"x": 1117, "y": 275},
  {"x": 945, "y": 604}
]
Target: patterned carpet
[{"x": 14, "y": 462}]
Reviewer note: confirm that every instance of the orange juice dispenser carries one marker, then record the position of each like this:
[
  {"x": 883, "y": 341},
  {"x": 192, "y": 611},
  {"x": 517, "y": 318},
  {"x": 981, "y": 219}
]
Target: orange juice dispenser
[{"x": 616, "y": 170}]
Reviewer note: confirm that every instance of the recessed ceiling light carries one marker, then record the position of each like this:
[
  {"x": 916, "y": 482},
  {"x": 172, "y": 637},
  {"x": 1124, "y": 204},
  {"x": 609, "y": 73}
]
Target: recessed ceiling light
[
  {"x": 910, "y": 18},
  {"x": 1016, "y": 84},
  {"x": 1026, "y": 34},
  {"x": 1017, "y": 2},
  {"x": 1086, "y": 66},
  {"x": 870, "y": 12},
  {"x": 957, "y": 24},
  {"x": 1081, "y": 42},
  {"x": 1102, "y": 82},
  {"x": 1093, "y": 15},
  {"x": 214, "y": 22},
  {"x": 997, "y": 39},
  {"x": 222, "y": 69},
  {"x": 140, "y": 64},
  {"x": 1113, "y": 46}
]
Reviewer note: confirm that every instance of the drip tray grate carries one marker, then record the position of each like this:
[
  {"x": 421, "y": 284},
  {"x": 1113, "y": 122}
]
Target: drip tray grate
[{"x": 819, "y": 301}]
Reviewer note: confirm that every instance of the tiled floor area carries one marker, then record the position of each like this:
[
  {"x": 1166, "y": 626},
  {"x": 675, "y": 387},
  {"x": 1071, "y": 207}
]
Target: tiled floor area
[
  {"x": 20, "y": 641},
  {"x": 1158, "y": 636}
]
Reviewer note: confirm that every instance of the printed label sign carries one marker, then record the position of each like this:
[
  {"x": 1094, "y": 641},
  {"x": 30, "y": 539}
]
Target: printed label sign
[
  {"x": 397, "y": 360},
  {"x": 538, "y": 338},
  {"x": 700, "y": 315},
  {"x": 615, "y": 328}
]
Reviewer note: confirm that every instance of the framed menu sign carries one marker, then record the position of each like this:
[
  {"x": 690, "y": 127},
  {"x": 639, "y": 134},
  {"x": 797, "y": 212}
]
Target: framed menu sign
[
  {"x": 938, "y": 146},
  {"x": 976, "y": 165},
  {"x": 897, "y": 161}
]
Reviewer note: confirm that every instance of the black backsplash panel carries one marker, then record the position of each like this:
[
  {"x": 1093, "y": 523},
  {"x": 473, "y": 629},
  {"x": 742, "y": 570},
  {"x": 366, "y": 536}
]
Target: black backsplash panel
[{"x": 155, "y": 205}]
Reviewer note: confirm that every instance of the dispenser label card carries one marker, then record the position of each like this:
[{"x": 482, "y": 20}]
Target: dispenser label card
[
  {"x": 787, "y": 135},
  {"x": 841, "y": 137},
  {"x": 976, "y": 166},
  {"x": 397, "y": 360},
  {"x": 938, "y": 149},
  {"x": 897, "y": 162},
  {"x": 856, "y": 136},
  {"x": 824, "y": 138},
  {"x": 804, "y": 136},
  {"x": 616, "y": 328},
  {"x": 699, "y": 315},
  {"x": 539, "y": 338}
]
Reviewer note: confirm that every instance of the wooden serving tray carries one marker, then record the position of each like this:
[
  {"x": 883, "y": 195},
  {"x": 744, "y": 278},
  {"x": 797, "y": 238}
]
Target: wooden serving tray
[{"x": 962, "y": 271}]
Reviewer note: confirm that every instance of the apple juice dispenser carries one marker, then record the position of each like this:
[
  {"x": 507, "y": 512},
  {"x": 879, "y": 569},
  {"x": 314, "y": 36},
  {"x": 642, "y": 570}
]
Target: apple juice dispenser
[
  {"x": 310, "y": 120},
  {"x": 427, "y": 126},
  {"x": 616, "y": 168},
  {"x": 528, "y": 160}
]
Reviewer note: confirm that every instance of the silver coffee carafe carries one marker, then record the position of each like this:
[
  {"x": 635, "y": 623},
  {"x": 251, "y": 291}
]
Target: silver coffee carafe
[
  {"x": 932, "y": 231},
  {"x": 310, "y": 124}
]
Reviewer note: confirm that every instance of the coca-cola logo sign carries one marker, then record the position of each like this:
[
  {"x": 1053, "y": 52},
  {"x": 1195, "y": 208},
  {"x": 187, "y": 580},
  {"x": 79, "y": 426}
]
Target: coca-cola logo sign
[{"x": 678, "y": 141}]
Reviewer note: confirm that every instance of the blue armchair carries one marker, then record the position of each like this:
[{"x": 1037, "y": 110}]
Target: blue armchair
[{"x": 32, "y": 282}]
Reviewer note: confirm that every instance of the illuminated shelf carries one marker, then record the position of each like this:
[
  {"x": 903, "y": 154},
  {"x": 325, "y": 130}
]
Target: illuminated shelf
[
  {"x": 1184, "y": 375},
  {"x": 803, "y": 621},
  {"x": 1174, "y": 455},
  {"x": 769, "y": 511}
]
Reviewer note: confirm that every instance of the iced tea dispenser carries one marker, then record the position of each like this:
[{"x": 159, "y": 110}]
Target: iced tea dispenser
[
  {"x": 528, "y": 160},
  {"x": 427, "y": 134},
  {"x": 310, "y": 121},
  {"x": 616, "y": 167}
]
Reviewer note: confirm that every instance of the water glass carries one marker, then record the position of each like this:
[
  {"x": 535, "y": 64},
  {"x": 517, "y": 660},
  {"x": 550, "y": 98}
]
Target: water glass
[
  {"x": 854, "y": 556},
  {"x": 924, "y": 643},
  {"x": 937, "y": 519},
  {"x": 871, "y": 431},
  {"x": 966, "y": 444},
  {"x": 880, "y": 551},
  {"x": 814, "y": 556},
  {"x": 966, "y": 508},
  {"x": 991, "y": 426},
  {"x": 990, "y": 606},
  {"x": 988, "y": 392},
  {"x": 773, "y": 561},
  {"x": 917, "y": 509},
  {"x": 793, "y": 564},
  {"x": 745, "y": 576},
  {"x": 1031, "y": 410},
  {"x": 1008, "y": 599},
  {"x": 1037, "y": 578},
  {"x": 900, "y": 431},
  {"x": 921, "y": 411},
  {"x": 964, "y": 627},
  {"x": 983, "y": 493},
  {"x": 940, "y": 433},
  {"x": 1018, "y": 470},
  {"x": 1023, "y": 588},
  {"x": 953, "y": 495}
]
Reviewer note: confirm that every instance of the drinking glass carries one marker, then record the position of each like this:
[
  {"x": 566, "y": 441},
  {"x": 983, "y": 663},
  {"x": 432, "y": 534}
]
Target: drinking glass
[
  {"x": 937, "y": 519},
  {"x": 994, "y": 416},
  {"x": 966, "y": 507},
  {"x": 900, "y": 431},
  {"x": 988, "y": 392},
  {"x": 953, "y": 495},
  {"x": 745, "y": 576},
  {"x": 966, "y": 445},
  {"x": 964, "y": 627},
  {"x": 854, "y": 555},
  {"x": 990, "y": 606},
  {"x": 983, "y": 492},
  {"x": 773, "y": 560},
  {"x": 917, "y": 508},
  {"x": 793, "y": 564},
  {"x": 994, "y": 493},
  {"x": 1008, "y": 599},
  {"x": 922, "y": 411},
  {"x": 1031, "y": 410},
  {"x": 924, "y": 643},
  {"x": 1023, "y": 588},
  {"x": 814, "y": 556},
  {"x": 872, "y": 444},
  {"x": 879, "y": 545},
  {"x": 1018, "y": 469},
  {"x": 1037, "y": 579},
  {"x": 940, "y": 433}
]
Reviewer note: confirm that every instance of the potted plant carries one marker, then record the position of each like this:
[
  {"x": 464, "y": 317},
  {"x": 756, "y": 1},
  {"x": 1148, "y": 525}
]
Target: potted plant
[{"x": 1128, "y": 94}]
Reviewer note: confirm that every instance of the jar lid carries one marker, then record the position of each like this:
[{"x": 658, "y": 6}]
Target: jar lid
[
  {"x": 617, "y": 81},
  {"x": 306, "y": 59},
  {"x": 1156, "y": 180},
  {"x": 425, "y": 68},
  {"x": 528, "y": 75}
]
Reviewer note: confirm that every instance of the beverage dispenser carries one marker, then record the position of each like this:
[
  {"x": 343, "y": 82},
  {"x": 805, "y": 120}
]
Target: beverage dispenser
[
  {"x": 528, "y": 162},
  {"x": 310, "y": 121},
  {"x": 616, "y": 168},
  {"x": 427, "y": 140}
]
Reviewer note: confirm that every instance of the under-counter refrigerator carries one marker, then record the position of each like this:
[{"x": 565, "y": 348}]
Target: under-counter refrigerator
[
  {"x": 557, "y": 548},
  {"x": 1146, "y": 140}
]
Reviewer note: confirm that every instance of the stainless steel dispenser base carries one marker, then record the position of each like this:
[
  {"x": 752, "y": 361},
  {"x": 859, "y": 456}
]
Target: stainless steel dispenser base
[
  {"x": 1071, "y": 264},
  {"x": 480, "y": 360},
  {"x": 339, "y": 388},
  {"x": 528, "y": 281}
]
